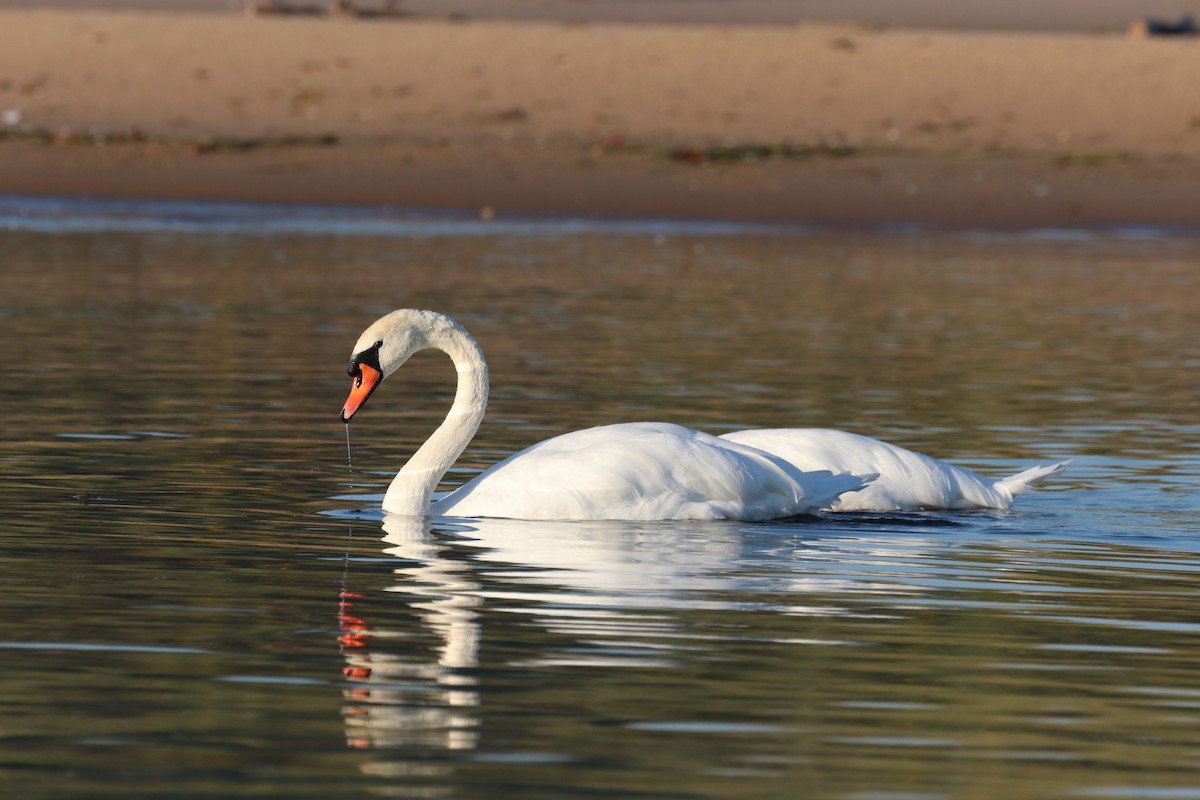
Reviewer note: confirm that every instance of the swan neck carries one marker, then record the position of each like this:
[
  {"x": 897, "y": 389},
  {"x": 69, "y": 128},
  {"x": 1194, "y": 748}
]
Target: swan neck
[{"x": 411, "y": 491}]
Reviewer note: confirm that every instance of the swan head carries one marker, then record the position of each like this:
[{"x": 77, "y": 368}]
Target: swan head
[{"x": 385, "y": 346}]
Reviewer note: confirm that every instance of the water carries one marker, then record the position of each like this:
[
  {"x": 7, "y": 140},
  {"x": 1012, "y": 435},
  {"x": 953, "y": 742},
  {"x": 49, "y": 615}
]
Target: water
[{"x": 202, "y": 600}]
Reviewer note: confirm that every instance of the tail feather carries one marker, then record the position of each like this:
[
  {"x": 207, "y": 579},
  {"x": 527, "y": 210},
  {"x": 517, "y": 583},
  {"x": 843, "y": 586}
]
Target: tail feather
[
  {"x": 1022, "y": 481},
  {"x": 867, "y": 478},
  {"x": 844, "y": 483}
]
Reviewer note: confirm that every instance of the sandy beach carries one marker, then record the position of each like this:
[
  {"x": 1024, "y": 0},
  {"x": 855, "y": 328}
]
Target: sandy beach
[{"x": 815, "y": 122}]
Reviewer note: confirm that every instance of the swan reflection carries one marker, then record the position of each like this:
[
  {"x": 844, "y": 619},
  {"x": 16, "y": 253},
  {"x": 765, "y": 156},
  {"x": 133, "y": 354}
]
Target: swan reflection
[
  {"x": 616, "y": 593},
  {"x": 399, "y": 697}
]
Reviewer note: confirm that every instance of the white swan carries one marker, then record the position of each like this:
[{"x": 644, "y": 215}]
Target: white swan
[
  {"x": 638, "y": 471},
  {"x": 649, "y": 470}
]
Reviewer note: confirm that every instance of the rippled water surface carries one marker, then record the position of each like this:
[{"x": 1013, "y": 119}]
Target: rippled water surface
[{"x": 201, "y": 599}]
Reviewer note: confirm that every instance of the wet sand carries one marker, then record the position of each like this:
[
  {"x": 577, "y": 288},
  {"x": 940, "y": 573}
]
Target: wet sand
[
  {"x": 1093, "y": 16},
  {"x": 838, "y": 124}
]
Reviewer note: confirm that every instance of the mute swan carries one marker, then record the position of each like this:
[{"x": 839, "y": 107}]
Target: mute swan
[
  {"x": 637, "y": 471},
  {"x": 649, "y": 470}
]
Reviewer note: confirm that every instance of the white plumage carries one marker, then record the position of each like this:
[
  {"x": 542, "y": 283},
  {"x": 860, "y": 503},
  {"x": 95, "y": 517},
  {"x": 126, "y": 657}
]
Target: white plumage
[
  {"x": 645, "y": 471},
  {"x": 907, "y": 480},
  {"x": 650, "y": 470}
]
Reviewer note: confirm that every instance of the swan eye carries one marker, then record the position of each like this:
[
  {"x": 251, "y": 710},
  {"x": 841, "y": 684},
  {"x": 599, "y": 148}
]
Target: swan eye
[{"x": 370, "y": 357}]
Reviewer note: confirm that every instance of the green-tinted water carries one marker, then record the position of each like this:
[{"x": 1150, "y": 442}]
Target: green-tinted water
[{"x": 202, "y": 601}]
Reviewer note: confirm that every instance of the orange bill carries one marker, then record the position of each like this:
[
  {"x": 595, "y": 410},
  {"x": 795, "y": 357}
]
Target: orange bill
[{"x": 364, "y": 383}]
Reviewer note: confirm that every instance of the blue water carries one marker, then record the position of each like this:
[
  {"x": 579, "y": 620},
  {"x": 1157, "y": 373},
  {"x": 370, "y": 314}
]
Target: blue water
[
  {"x": 83, "y": 215},
  {"x": 72, "y": 215}
]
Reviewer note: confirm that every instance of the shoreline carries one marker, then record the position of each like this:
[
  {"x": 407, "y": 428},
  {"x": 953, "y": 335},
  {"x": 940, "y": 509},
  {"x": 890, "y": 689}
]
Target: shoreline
[
  {"x": 991, "y": 193},
  {"x": 839, "y": 125}
]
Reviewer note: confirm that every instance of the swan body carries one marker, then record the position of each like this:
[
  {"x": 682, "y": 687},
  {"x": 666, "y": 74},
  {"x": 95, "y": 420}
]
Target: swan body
[
  {"x": 648, "y": 470},
  {"x": 645, "y": 471},
  {"x": 907, "y": 481}
]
